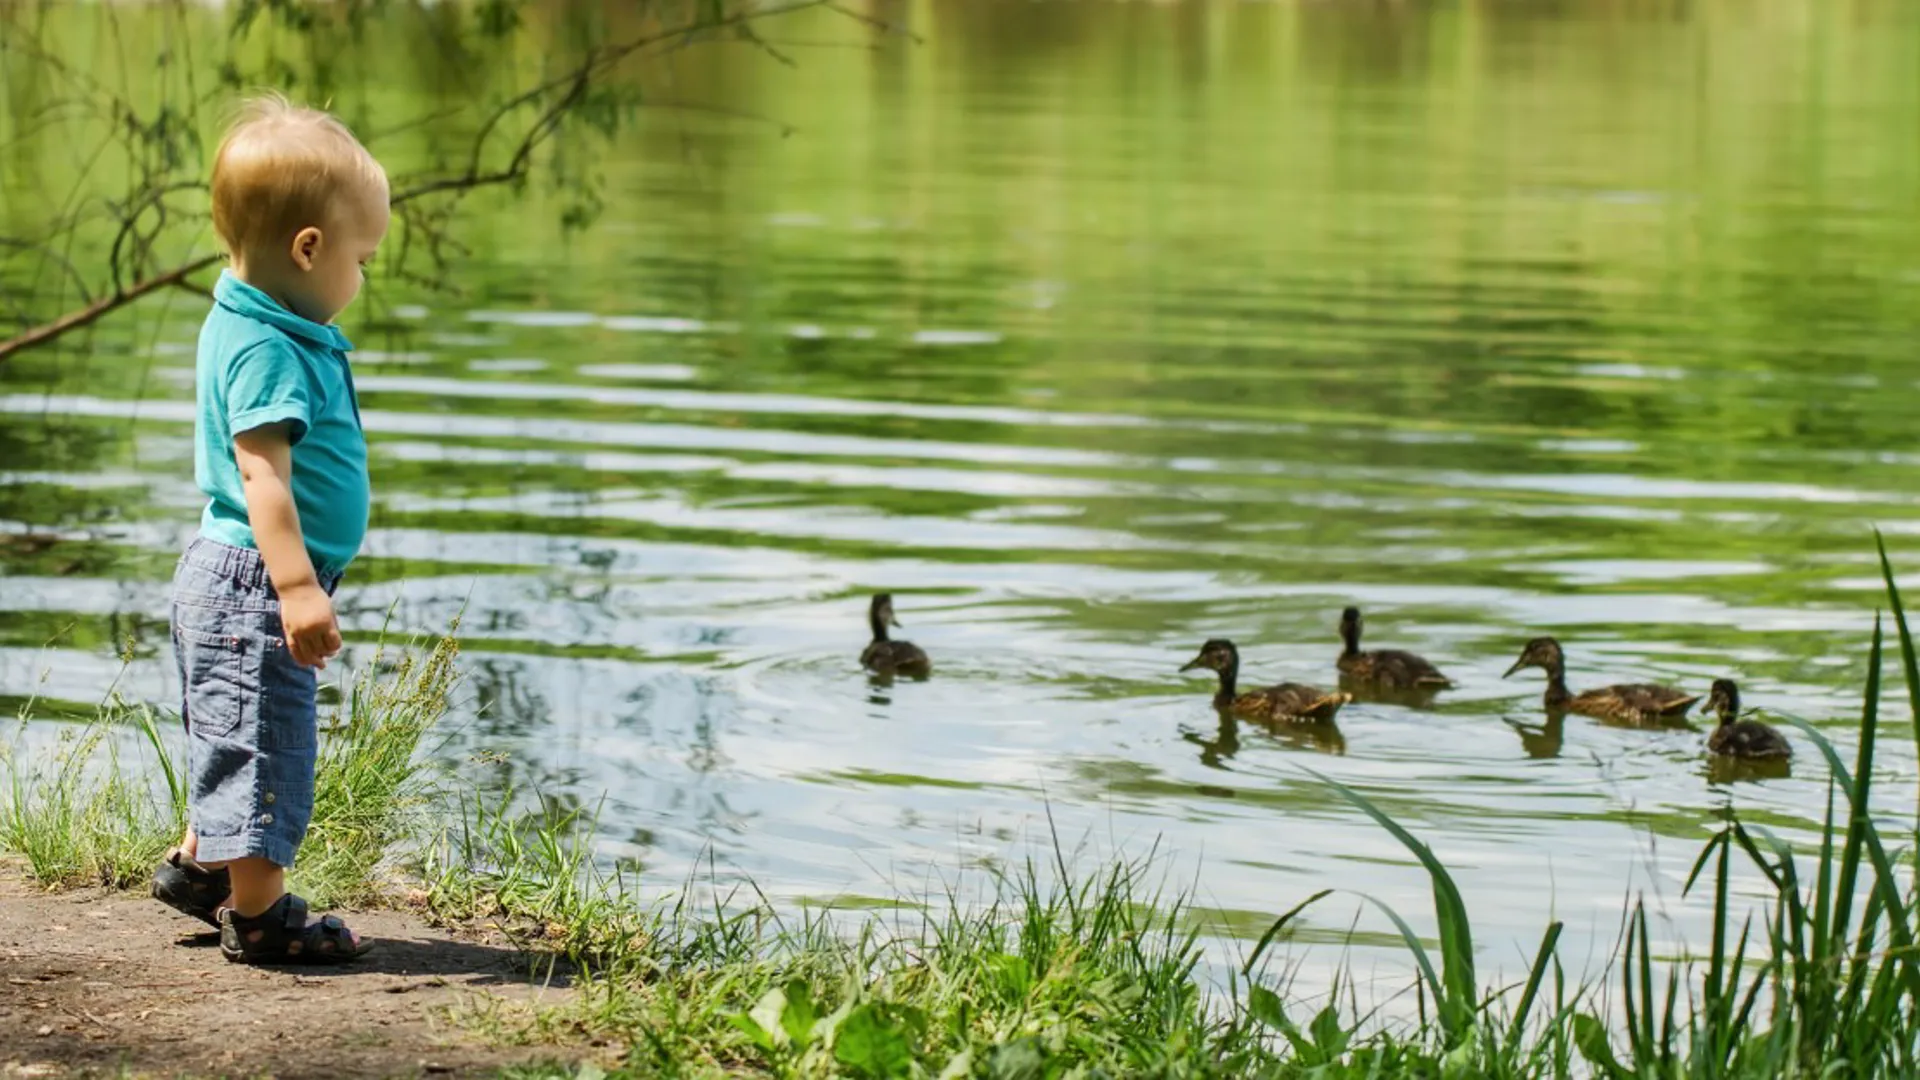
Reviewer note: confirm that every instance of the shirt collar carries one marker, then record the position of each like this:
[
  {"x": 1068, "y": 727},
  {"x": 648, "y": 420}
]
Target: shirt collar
[{"x": 241, "y": 298}]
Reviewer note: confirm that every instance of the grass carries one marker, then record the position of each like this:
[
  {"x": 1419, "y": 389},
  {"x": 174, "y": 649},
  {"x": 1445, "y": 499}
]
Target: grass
[
  {"x": 373, "y": 790},
  {"x": 1052, "y": 971},
  {"x": 81, "y": 816}
]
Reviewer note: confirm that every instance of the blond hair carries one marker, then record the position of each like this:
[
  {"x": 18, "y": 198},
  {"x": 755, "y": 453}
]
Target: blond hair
[{"x": 282, "y": 168}]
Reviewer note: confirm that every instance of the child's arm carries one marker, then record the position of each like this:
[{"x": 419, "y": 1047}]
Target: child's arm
[{"x": 265, "y": 456}]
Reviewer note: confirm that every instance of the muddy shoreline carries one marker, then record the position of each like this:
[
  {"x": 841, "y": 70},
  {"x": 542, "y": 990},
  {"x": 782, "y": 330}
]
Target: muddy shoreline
[{"x": 94, "y": 982}]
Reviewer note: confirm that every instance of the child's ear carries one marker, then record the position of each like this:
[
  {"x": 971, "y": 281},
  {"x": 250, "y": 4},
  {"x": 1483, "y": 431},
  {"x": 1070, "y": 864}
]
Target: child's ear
[{"x": 306, "y": 246}]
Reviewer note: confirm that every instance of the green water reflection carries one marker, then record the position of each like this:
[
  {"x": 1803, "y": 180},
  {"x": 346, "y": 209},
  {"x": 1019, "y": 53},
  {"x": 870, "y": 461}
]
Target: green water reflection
[{"x": 1092, "y": 331}]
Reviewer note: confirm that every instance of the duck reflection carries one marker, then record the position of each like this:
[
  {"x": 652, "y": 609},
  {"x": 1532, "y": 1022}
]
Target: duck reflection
[
  {"x": 1215, "y": 752},
  {"x": 1542, "y": 741},
  {"x": 1733, "y": 770},
  {"x": 1373, "y": 694}
]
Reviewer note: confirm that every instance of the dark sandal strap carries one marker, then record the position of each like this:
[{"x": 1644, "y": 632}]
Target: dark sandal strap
[
  {"x": 191, "y": 889},
  {"x": 282, "y": 934}
]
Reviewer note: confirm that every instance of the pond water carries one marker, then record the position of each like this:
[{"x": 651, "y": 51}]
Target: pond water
[{"x": 1092, "y": 331}]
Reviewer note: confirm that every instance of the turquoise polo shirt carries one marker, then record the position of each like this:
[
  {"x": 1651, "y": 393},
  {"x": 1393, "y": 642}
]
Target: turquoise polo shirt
[{"x": 261, "y": 364}]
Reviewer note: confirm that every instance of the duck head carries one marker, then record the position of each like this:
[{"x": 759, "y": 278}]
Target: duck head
[
  {"x": 880, "y": 615},
  {"x": 1217, "y": 654},
  {"x": 1541, "y": 652},
  {"x": 1350, "y": 627},
  {"x": 1723, "y": 700}
]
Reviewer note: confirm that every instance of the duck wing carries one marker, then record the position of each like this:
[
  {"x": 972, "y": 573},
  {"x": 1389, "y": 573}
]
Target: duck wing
[
  {"x": 1633, "y": 702},
  {"x": 1293, "y": 701},
  {"x": 1657, "y": 700},
  {"x": 1394, "y": 670},
  {"x": 1749, "y": 739},
  {"x": 903, "y": 656}
]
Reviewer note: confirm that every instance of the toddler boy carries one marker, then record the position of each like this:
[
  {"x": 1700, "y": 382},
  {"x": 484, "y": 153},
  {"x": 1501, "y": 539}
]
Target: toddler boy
[{"x": 300, "y": 207}]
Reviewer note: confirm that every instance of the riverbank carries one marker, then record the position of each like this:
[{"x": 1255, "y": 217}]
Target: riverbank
[
  {"x": 1043, "y": 971},
  {"x": 104, "y": 982}
]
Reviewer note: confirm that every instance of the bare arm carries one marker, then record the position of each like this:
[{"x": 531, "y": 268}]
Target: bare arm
[{"x": 265, "y": 456}]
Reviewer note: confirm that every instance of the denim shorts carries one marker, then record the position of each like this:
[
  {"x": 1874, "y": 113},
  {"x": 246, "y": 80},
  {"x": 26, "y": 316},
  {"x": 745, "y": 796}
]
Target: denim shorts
[{"x": 252, "y": 727}]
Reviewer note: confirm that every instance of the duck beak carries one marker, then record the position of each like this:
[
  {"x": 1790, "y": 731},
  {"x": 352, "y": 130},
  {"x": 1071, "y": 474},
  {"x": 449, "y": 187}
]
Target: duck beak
[
  {"x": 894, "y": 619},
  {"x": 1518, "y": 665},
  {"x": 1191, "y": 664}
]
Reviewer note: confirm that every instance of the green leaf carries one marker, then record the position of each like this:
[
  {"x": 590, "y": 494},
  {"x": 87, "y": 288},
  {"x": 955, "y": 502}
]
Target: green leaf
[
  {"x": 1024, "y": 1058},
  {"x": 1328, "y": 1034},
  {"x": 798, "y": 1015},
  {"x": 871, "y": 1041},
  {"x": 1264, "y": 1005},
  {"x": 766, "y": 1016},
  {"x": 760, "y": 1036},
  {"x": 959, "y": 1068},
  {"x": 1013, "y": 973},
  {"x": 1590, "y": 1035}
]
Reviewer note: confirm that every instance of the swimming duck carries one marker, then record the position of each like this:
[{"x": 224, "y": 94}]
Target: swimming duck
[
  {"x": 1287, "y": 702},
  {"x": 1389, "y": 669},
  {"x": 1635, "y": 703},
  {"x": 891, "y": 657},
  {"x": 1739, "y": 738}
]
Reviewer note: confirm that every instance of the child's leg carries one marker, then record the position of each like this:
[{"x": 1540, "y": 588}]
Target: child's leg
[
  {"x": 257, "y": 885},
  {"x": 180, "y": 881},
  {"x": 253, "y": 741},
  {"x": 252, "y": 735}
]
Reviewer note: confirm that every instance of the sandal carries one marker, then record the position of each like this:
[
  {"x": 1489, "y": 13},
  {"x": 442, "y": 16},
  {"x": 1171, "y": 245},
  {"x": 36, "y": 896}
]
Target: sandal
[
  {"x": 282, "y": 935},
  {"x": 191, "y": 889}
]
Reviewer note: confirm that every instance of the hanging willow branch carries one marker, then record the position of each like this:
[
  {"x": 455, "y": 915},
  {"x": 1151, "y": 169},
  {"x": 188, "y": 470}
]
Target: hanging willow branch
[{"x": 495, "y": 159}]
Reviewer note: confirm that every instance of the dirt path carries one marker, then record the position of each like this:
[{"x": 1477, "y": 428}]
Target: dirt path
[{"x": 94, "y": 983}]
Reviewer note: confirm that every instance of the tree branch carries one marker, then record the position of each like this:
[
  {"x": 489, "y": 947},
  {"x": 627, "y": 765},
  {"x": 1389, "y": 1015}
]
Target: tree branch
[
  {"x": 195, "y": 288},
  {"x": 572, "y": 87},
  {"x": 74, "y": 320}
]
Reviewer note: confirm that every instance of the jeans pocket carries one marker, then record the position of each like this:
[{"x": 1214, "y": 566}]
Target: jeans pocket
[
  {"x": 219, "y": 691},
  {"x": 288, "y": 701}
]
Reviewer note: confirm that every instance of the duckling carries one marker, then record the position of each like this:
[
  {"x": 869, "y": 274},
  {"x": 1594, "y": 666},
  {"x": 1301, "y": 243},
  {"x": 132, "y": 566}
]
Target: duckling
[
  {"x": 1388, "y": 669},
  {"x": 891, "y": 657},
  {"x": 1635, "y": 703},
  {"x": 1288, "y": 702},
  {"x": 1739, "y": 738}
]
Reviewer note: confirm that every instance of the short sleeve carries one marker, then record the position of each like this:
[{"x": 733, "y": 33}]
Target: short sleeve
[{"x": 268, "y": 384}]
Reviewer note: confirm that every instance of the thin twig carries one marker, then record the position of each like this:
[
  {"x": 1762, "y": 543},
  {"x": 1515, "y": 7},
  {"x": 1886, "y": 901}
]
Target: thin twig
[
  {"x": 46, "y": 251},
  {"x": 874, "y": 21},
  {"x": 572, "y": 88},
  {"x": 194, "y": 287},
  {"x": 74, "y": 320}
]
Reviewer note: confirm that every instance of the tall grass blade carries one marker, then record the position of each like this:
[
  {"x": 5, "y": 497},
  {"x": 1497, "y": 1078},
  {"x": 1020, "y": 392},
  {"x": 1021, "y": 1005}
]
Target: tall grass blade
[
  {"x": 1858, "y": 786},
  {"x": 1280, "y": 924},
  {"x": 1456, "y": 935},
  {"x": 1419, "y": 951},
  {"x": 1909, "y": 661},
  {"x": 1820, "y": 935},
  {"x": 1899, "y": 930},
  {"x": 1518, "y": 1025}
]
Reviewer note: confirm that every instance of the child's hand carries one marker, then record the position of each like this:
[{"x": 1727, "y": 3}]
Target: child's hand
[
  {"x": 265, "y": 457},
  {"x": 312, "y": 633}
]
